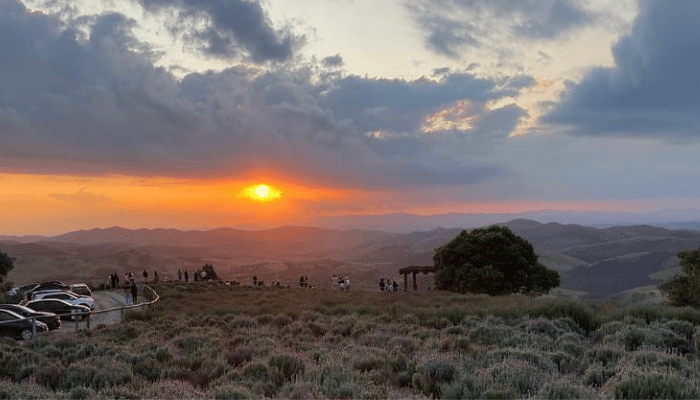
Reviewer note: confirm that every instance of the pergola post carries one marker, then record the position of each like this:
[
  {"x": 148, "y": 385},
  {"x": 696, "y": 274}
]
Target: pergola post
[
  {"x": 405, "y": 281},
  {"x": 415, "y": 285}
]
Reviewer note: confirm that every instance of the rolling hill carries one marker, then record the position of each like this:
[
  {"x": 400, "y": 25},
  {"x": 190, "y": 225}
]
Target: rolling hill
[{"x": 601, "y": 262}]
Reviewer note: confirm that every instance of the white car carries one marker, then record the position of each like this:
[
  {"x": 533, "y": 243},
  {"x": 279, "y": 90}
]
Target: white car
[
  {"x": 81, "y": 289},
  {"x": 70, "y": 297}
]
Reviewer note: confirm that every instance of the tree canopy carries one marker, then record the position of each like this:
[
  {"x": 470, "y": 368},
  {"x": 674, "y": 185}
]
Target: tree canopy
[
  {"x": 207, "y": 273},
  {"x": 6, "y": 264},
  {"x": 684, "y": 289},
  {"x": 491, "y": 260}
]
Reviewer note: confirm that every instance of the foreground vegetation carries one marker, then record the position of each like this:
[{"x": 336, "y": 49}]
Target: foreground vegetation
[{"x": 210, "y": 340}]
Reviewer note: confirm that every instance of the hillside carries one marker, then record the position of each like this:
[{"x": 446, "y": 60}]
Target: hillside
[{"x": 600, "y": 262}]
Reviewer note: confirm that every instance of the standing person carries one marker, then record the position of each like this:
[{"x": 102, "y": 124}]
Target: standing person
[
  {"x": 187, "y": 276},
  {"x": 179, "y": 275},
  {"x": 381, "y": 284},
  {"x": 116, "y": 281},
  {"x": 301, "y": 281},
  {"x": 145, "y": 275},
  {"x": 127, "y": 293},
  {"x": 155, "y": 276},
  {"x": 334, "y": 282},
  {"x": 134, "y": 292},
  {"x": 255, "y": 280},
  {"x": 347, "y": 283}
]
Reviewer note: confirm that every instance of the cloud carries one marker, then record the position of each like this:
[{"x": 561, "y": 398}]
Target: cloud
[
  {"x": 94, "y": 104},
  {"x": 83, "y": 197},
  {"x": 654, "y": 87},
  {"x": 333, "y": 61},
  {"x": 222, "y": 28},
  {"x": 454, "y": 25}
]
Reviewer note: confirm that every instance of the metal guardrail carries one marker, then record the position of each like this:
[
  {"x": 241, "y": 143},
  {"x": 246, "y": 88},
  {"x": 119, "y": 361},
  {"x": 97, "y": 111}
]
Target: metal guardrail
[{"x": 77, "y": 317}]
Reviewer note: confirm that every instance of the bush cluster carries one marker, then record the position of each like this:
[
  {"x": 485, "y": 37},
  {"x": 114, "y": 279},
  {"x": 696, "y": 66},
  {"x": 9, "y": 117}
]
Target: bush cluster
[{"x": 439, "y": 347}]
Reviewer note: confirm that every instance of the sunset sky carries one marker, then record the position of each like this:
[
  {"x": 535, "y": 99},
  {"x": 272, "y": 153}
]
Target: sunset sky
[{"x": 172, "y": 113}]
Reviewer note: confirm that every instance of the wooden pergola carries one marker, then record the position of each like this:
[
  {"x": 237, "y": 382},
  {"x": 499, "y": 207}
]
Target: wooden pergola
[{"x": 414, "y": 269}]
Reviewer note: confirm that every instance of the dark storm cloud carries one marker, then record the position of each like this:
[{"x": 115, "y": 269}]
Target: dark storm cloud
[
  {"x": 95, "y": 104},
  {"x": 654, "y": 88},
  {"x": 452, "y": 25},
  {"x": 230, "y": 26},
  {"x": 400, "y": 105}
]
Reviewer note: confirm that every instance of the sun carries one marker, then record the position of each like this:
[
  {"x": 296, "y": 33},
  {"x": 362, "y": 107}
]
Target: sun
[{"x": 262, "y": 191}]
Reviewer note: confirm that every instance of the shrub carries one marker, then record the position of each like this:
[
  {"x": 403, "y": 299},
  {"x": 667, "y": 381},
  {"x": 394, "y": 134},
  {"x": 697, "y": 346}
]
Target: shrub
[
  {"x": 598, "y": 376},
  {"x": 256, "y": 372},
  {"x": 565, "y": 390},
  {"x": 243, "y": 322},
  {"x": 139, "y": 315},
  {"x": 368, "y": 364},
  {"x": 682, "y": 328},
  {"x": 78, "y": 376},
  {"x": 112, "y": 375},
  {"x": 335, "y": 383},
  {"x": 656, "y": 386},
  {"x": 288, "y": 366},
  {"x": 229, "y": 393},
  {"x": 81, "y": 392},
  {"x": 148, "y": 368},
  {"x": 542, "y": 326},
  {"x": 488, "y": 334},
  {"x": 462, "y": 345},
  {"x": 281, "y": 321},
  {"x": 239, "y": 356},
  {"x": 162, "y": 354},
  {"x": 515, "y": 376},
  {"x": 50, "y": 376},
  {"x": 606, "y": 356}
]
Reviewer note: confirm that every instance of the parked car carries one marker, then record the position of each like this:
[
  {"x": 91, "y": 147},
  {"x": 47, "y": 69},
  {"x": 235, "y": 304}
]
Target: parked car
[
  {"x": 49, "y": 285},
  {"x": 50, "y": 319},
  {"x": 62, "y": 308},
  {"x": 18, "y": 327},
  {"x": 81, "y": 288},
  {"x": 17, "y": 294},
  {"x": 69, "y": 297}
]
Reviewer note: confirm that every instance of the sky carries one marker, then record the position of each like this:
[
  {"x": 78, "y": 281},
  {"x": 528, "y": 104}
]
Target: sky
[{"x": 170, "y": 113}]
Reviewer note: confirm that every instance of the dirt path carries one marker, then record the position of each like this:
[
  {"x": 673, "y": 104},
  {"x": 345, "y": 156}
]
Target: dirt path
[{"x": 104, "y": 300}]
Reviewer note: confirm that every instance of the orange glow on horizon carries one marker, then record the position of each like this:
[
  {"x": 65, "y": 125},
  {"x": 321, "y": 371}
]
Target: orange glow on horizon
[{"x": 50, "y": 205}]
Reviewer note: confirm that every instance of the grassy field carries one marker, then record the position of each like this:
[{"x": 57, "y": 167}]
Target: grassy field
[{"x": 216, "y": 341}]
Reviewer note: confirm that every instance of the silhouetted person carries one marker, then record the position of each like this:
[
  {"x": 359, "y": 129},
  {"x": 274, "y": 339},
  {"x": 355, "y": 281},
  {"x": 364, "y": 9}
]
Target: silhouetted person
[
  {"x": 155, "y": 276},
  {"x": 187, "y": 276},
  {"x": 134, "y": 291},
  {"x": 255, "y": 280},
  {"x": 145, "y": 275},
  {"x": 381, "y": 284}
]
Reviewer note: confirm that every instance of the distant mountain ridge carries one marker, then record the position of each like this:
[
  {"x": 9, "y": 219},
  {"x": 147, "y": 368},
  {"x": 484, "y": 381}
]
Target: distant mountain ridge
[{"x": 599, "y": 261}]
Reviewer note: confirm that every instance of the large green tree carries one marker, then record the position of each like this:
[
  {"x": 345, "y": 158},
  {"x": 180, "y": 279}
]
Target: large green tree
[
  {"x": 684, "y": 289},
  {"x": 491, "y": 260}
]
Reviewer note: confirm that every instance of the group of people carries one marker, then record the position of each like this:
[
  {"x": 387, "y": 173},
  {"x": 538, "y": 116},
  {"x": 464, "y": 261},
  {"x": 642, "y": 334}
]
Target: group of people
[
  {"x": 388, "y": 285},
  {"x": 181, "y": 274},
  {"x": 131, "y": 291},
  {"x": 340, "y": 282}
]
